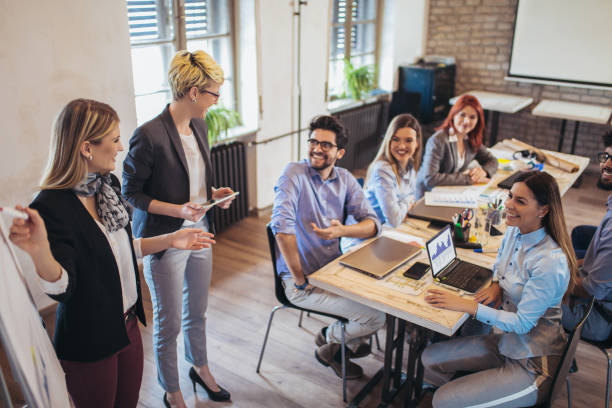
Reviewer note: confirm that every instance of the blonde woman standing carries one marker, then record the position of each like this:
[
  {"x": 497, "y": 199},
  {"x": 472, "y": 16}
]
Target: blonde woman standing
[
  {"x": 78, "y": 235},
  {"x": 167, "y": 175}
]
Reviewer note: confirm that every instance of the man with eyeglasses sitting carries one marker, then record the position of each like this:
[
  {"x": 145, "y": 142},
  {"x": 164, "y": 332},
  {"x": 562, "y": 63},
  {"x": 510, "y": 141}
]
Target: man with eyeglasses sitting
[
  {"x": 312, "y": 200},
  {"x": 595, "y": 275}
]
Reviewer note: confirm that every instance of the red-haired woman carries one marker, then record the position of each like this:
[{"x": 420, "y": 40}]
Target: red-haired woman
[{"x": 452, "y": 148}]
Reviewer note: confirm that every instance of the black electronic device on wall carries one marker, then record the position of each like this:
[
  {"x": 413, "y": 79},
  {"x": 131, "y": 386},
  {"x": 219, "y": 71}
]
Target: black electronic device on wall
[{"x": 435, "y": 82}]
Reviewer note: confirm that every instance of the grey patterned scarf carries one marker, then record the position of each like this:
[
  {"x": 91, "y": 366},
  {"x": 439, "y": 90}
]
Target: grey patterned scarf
[{"x": 112, "y": 207}]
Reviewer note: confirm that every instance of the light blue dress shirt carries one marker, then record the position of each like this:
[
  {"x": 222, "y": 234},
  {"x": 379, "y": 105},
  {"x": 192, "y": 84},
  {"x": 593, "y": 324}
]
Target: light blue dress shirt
[
  {"x": 533, "y": 275},
  {"x": 391, "y": 199},
  {"x": 302, "y": 197}
]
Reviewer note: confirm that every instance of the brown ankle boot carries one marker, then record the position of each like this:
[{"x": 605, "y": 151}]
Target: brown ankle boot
[{"x": 329, "y": 355}]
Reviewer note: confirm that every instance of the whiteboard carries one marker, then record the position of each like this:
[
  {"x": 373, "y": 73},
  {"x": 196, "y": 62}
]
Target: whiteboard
[
  {"x": 28, "y": 347},
  {"x": 564, "y": 41}
]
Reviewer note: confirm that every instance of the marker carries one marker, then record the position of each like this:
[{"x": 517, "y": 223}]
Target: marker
[
  {"x": 11, "y": 212},
  {"x": 485, "y": 250}
]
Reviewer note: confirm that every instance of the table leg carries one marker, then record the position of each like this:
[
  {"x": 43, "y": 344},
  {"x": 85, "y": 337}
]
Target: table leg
[
  {"x": 494, "y": 127},
  {"x": 575, "y": 137},
  {"x": 414, "y": 369},
  {"x": 562, "y": 135}
]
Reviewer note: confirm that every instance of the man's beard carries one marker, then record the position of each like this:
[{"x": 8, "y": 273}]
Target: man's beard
[
  {"x": 605, "y": 185},
  {"x": 327, "y": 162}
]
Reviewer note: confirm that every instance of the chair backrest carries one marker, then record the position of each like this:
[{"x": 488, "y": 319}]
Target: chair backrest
[
  {"x": 567, "y": 357},
  {"x": 279, "y": 289}
]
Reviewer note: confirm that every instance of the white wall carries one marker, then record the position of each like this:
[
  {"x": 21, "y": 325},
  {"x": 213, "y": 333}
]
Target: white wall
[
  {"x": 277, "y": 38},
  {"x": 53, "y": 52}
]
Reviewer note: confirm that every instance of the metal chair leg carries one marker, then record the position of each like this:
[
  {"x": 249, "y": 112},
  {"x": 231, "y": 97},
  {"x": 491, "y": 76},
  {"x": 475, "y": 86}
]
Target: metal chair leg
[
  {"x": 300, "y": 321},
  {"x": 263, "y": 347},
  {"x": 568, "y": 384},
  {"x": 377, "y": 341},
  {"x": 343, "y": 354}
]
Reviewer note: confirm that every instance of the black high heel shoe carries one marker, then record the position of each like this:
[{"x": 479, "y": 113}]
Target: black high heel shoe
[
  {"x": 221, "y": 395},
  {"x": 166, "y": 403}
]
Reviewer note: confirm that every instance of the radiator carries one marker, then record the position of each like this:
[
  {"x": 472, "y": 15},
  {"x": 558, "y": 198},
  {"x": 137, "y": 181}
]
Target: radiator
[
  {"x": 366, "y": 125},
  {"x": 230, "y": 170}
]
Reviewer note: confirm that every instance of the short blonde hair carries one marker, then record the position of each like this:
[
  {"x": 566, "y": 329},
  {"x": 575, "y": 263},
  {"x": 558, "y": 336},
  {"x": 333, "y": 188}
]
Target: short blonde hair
[
  {"x": 189, "y": 69},
  {"x": 81, "y": 120}
]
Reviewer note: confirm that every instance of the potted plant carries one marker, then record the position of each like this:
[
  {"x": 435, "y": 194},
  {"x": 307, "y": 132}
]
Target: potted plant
[
  {"x": 220, "y": 119},
  {"x": 359, "y": 81}
]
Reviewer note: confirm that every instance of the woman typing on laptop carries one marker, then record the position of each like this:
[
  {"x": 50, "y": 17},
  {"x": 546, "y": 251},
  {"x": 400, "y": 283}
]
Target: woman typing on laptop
[{"x": 535, "y": 265}]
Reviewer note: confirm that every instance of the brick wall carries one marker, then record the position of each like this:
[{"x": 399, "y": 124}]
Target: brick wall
[{"x": 478, "y": 33}]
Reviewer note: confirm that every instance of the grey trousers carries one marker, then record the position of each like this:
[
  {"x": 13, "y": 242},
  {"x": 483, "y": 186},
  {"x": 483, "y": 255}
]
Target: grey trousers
[
  {"x": 496, "y": 381},
  {"x": 363, "y": 320},
  {"x": 179, "y": 284},
  {"x": 596, "y": 326}
]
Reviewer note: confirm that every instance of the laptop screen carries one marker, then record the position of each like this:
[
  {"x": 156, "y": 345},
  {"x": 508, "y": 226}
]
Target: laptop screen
[{"x": 441, "y": 250}]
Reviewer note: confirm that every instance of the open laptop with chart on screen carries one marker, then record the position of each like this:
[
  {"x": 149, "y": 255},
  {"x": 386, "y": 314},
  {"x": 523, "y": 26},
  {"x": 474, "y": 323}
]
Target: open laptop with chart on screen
[{"x": 449, "y": 270}]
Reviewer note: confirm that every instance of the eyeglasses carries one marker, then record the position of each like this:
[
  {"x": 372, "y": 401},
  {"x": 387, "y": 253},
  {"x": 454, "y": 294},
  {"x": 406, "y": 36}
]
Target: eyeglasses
[
  {"x": 603, "y": 157},
  {"x": 216, "y": 95},
  {"x": 325, "y": 146}
]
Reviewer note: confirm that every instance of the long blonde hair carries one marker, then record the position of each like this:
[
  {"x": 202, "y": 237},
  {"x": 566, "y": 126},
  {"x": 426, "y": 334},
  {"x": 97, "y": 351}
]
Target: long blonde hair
[
  {"x": 384, "y": 152},
  {"x": 81, "y": 120},
  {"x": 545, "y": 189},
  {"x": 189, "y": 69}
]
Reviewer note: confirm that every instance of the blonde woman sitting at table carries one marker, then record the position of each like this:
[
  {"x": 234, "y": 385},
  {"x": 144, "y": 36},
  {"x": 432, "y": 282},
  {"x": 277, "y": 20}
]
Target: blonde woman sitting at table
[
  {"x": 391, "y": 178},
  {"x": 534, "y": 270}
]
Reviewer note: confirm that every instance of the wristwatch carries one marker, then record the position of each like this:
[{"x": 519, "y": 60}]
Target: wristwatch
[{"x": 302, "y": 286}]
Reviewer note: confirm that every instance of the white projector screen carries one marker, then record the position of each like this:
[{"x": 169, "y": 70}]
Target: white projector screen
[{"x": 564, "y": 41}]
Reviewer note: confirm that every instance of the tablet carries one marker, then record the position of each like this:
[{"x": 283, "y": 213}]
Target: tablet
[{"x": 211, "y": 203}]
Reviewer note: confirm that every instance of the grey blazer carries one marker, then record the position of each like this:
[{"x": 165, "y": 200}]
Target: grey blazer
[
  {"x": 439, "y": 166},
  {"x": 156, "y": 168}
]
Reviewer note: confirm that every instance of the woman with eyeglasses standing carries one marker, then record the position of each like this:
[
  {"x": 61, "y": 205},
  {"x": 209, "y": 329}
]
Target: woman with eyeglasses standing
[{"x": 167, "y": 175}]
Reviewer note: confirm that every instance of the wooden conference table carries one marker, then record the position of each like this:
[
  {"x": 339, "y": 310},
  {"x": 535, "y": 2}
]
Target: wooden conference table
[{"x": 403, "y": 301}]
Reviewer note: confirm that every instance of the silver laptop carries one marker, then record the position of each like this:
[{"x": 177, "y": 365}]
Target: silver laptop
[
  {"x": 380, "y": 257},
  {"x": 449, "y": 270}
]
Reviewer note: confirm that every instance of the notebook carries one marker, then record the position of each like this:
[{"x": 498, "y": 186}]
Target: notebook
[
  {"x": 437, "y": 214},
  {"x": 449, "y": 270},
  {"x": 380, "y": 257}
]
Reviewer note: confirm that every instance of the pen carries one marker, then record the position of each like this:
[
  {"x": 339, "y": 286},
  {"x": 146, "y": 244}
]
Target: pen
[
  {"x": 485, "y": 250},
  {"x": 11, "y": 212}
]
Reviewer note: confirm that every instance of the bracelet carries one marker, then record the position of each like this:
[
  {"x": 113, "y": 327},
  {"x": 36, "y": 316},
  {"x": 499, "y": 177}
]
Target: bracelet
[{"x": 302, "y": 286}]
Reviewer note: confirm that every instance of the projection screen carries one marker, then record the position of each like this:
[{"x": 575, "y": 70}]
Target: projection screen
[{"x": 565, "y": 41}]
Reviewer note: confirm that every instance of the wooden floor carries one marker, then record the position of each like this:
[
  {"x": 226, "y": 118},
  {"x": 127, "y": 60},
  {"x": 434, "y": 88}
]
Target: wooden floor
[{"x": 241, "y": 299}]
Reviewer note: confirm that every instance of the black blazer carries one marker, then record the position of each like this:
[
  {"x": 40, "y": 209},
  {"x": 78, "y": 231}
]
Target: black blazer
[
  {"x": 89, "y": 324},
  {"x": 156, "y": 168}
]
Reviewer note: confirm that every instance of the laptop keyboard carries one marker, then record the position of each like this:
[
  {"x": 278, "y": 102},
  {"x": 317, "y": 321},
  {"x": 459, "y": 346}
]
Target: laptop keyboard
[{"x": 461, "y": 276}]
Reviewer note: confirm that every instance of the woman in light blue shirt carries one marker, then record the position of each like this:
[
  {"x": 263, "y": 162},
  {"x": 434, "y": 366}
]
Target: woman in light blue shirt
[
  {"x": 513, "y": 365},
  {"x": 391, "y": 178}
]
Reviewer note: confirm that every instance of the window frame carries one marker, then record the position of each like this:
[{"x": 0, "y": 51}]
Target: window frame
[
  {"x": 348, "y": 27},
  {"x": 175, "y": 11}
]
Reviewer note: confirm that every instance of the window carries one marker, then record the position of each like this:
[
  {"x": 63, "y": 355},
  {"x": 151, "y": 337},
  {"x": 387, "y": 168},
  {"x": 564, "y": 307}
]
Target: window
[
  {"x": 360, "y": 19},
  {"x": 157, "y": 32}
]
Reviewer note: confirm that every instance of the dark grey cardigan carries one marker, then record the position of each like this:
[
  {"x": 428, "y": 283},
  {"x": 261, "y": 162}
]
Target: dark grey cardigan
[{"x": 439, "y": 166}]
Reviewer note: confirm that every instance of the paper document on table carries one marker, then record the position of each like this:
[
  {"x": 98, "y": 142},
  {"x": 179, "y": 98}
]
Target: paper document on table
[
  {"x": 403, "y": 237},
  {"x": 397, "y": 281}
]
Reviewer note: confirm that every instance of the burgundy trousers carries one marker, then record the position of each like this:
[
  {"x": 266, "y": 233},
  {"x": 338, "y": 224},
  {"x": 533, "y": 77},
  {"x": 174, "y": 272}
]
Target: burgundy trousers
[{"x": 110, "y": 382}]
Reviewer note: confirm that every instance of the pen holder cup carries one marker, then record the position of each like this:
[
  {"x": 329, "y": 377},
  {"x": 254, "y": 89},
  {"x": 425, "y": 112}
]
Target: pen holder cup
[
  {"x": 494, "y": 216},
  {"x": 461, "y": 234}
]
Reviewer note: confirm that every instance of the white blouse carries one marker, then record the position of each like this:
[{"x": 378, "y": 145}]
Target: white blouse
[
  {"x": 120, "y": 245},
  {"x": 196, "y": 171}
]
